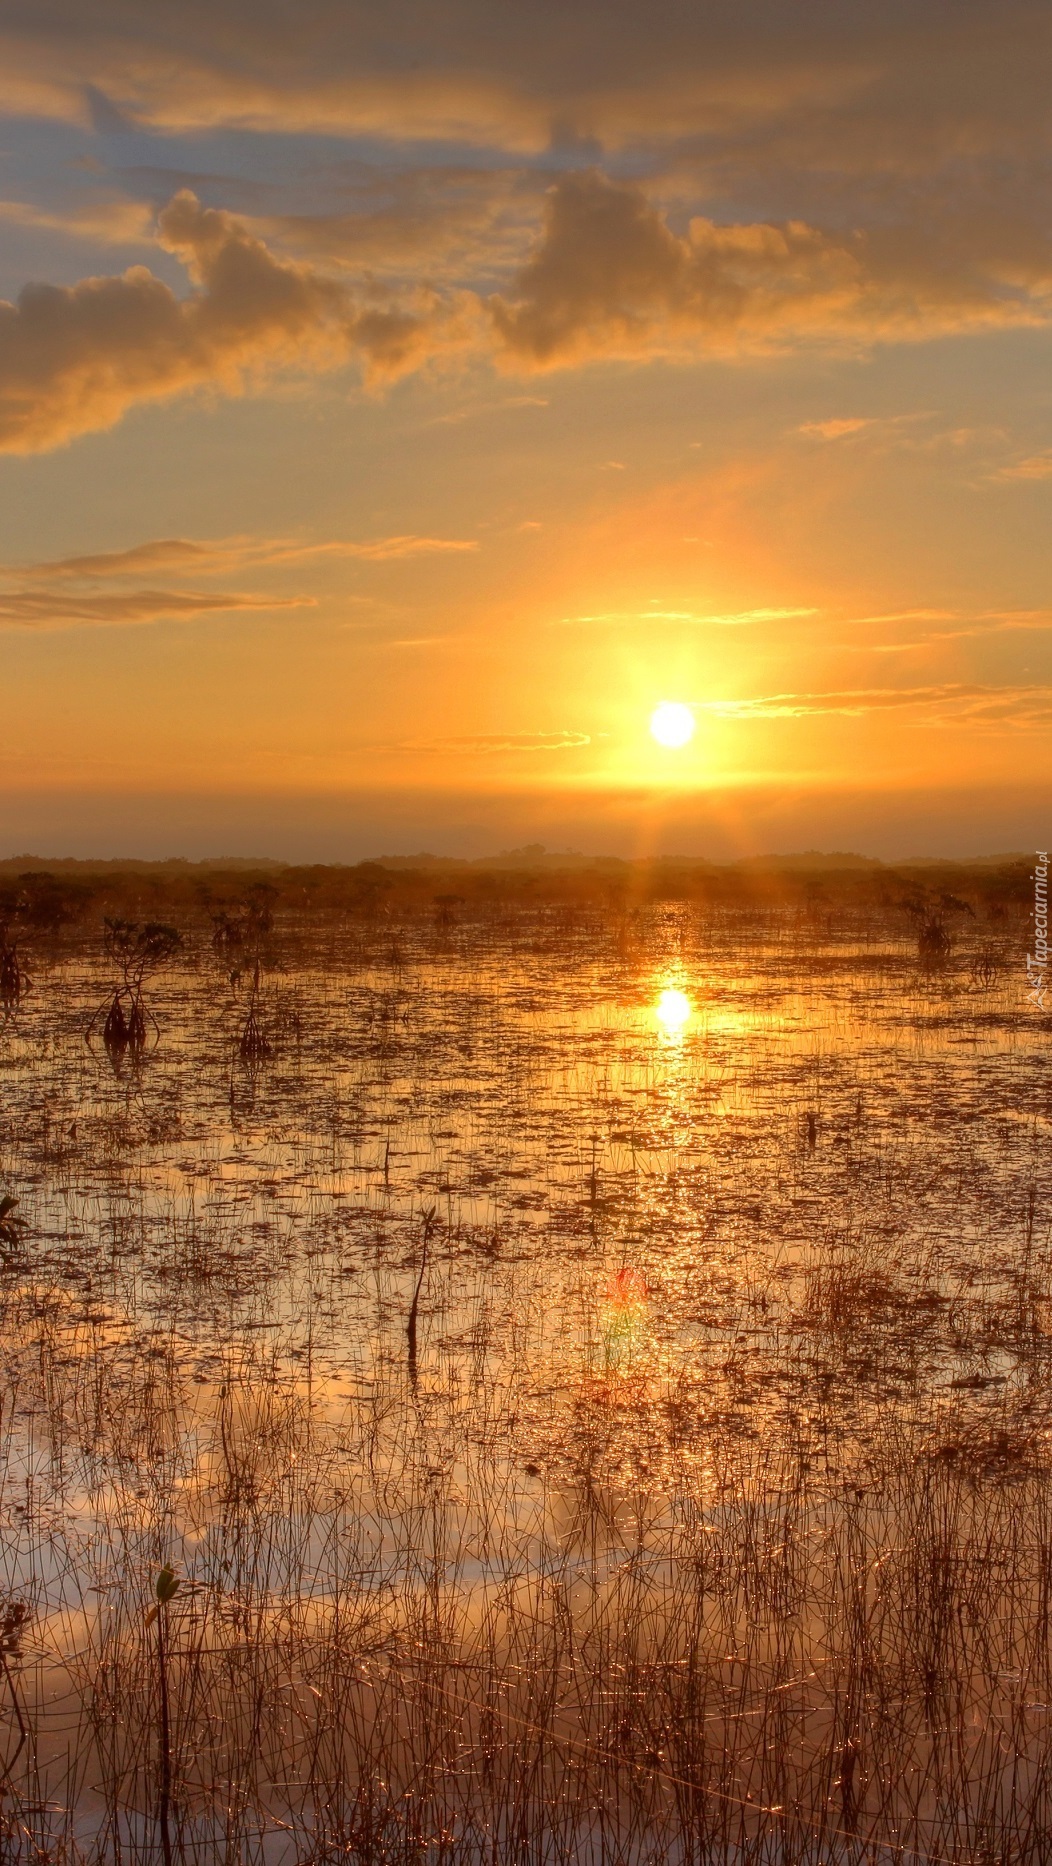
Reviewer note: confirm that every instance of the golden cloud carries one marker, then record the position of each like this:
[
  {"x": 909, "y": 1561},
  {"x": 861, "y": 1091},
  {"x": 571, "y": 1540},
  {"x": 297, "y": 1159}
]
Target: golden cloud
[
  {"x": 74, "y": 359},
  {"x": 608, "y": 277}
]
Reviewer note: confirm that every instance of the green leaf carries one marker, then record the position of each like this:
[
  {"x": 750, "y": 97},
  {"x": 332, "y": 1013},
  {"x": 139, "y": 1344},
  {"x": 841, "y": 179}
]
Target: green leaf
[{"x": 166, "y": 1586}]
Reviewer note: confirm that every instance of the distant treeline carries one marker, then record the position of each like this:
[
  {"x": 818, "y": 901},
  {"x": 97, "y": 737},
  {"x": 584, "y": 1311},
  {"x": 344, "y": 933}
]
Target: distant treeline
[{"x": 47, "y": 896}]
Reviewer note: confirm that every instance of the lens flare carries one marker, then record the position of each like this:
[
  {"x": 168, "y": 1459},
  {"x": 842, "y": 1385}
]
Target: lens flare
[
  {"x": 672, "y": 724},
  {"x": 623, "y": 1318},
  {"x": 673, "y": 1011}
]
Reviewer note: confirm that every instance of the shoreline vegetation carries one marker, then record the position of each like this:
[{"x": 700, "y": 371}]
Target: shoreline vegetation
[{"x": 57, "y": 892}]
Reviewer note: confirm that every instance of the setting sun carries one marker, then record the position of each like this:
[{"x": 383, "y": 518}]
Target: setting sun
[{"x": 672, "y": 724}]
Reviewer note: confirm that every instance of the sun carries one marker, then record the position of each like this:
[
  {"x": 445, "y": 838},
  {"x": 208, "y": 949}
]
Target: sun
[{"x": 672, "y": 724}]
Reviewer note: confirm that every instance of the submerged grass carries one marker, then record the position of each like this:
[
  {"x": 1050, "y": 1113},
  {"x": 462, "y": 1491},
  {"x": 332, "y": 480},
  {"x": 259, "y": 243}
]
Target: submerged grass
[{"x": 474, "y": 1424}]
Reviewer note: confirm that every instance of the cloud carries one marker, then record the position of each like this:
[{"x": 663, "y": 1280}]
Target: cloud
[
  {"x": 473, "y": 411},
  {"x": 107, "y": 223},
  {"x": 45, "y": 610},
  {"x": 204, "y": 556},
  {"x": 609, "y": 277},
  {"x": 978, "y": 704},
  {"x": 450, "y": 220},
  {"x": 422, "y": 641},
  {"x": 836, "y": 429},
  {"x": 1035, "y": 466},
  {"x": 854, "y": 172},
  {"x": 72, "y": 592},
  {"x": 948, "y": 625},
  {"x": 909, "y": 615},
  {"x": 827, "y": 86},
  {"x": 383, "y": 550},
  {"x": 484, "y": 744},
  {"x": 74, "y": 359},
  {"x": 740, "y": 618},
  {"x": 158, "y": 554}
]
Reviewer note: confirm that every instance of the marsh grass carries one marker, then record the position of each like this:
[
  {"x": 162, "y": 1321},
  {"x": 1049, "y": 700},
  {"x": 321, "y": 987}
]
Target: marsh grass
[{"x": 478, "y": 1428}]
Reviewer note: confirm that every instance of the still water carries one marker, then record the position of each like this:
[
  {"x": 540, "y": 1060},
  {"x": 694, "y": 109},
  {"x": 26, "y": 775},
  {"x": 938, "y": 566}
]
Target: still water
[{"x": 529, "y": 1267}]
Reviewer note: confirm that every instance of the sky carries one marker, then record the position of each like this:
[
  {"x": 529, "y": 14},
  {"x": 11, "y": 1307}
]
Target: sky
[{"x": 398, "y": 403}]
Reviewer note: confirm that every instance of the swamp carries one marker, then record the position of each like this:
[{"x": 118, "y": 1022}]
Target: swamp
[{"x": 523, "y": 1365}]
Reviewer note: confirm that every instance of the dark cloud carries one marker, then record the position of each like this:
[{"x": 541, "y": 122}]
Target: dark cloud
[
  {"x": 538, "y": 71},
  {"x": 921, "y": 122},
  {"x": 610, "y": 277}
]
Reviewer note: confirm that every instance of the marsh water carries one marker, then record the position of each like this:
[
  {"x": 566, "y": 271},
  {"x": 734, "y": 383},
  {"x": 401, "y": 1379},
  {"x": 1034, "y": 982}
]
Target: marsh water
[{"x": 589, "y": 1377}]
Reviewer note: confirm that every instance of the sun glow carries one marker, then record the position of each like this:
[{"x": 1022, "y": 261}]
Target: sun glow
[
  {"x": 673, "y": 1011},
  {"x": 672, "y": 724}
]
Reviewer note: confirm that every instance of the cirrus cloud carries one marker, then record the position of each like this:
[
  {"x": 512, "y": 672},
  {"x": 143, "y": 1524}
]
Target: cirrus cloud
[
  {"x": 1029, "y": 705},
  {"x": 217, "y": 555},
  {"x": 486, "y": 744},
  {"x": 46, "y": 610}
]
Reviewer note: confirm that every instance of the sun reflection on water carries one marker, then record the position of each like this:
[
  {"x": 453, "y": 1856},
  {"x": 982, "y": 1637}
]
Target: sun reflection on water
[{"x": 673, "y": 1012}]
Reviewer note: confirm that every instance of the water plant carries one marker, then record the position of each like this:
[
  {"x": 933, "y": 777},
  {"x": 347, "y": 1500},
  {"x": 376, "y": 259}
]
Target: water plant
[
  {"x": 138, "y": 952},
  {"x": 584, "y": 1445}
]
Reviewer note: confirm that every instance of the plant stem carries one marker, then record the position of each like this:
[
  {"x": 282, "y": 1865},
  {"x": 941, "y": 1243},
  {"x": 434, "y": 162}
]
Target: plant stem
[{"x": 165, "y": 1760}]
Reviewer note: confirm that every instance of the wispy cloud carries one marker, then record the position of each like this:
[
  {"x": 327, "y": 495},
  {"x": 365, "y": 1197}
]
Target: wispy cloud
[
  {"x": 379, "y": 550},
  {"x": 1019, "y": 705},
  {"x": 895, "y": 429},
  {"x": 485, "y": 744},
  {"x": 423, "y": 641},
  {"x": 157, "y": 554},
  {"x": 1035, "y": 466},
  {"x": 836, "y": 428},
  {"x": 45, "y": 609},
  {"x": 947, "y": 625},
  {"x": 736, "y": 618},
  {"x": 92, "y": 587},
  {"x": 217, "y": 555},
  {"x": 471, "y": 413},
  {"x": 107, "y": 223}
]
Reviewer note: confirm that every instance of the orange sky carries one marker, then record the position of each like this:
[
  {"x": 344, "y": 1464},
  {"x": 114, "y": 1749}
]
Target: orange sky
[{"x": 395, "y": 406}]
